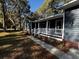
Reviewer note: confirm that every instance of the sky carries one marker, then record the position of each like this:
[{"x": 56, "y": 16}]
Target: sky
[{"x": 35, "y": 4}]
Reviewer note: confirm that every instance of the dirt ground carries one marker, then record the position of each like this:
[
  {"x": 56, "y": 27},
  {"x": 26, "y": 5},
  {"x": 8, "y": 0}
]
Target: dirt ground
[{"x": 15, "y": 45}]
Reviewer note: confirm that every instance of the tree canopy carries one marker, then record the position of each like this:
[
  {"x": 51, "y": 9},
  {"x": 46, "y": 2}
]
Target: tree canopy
[
  {"x": 49, "y": 6},
  {"x": 13, "y": 11}
]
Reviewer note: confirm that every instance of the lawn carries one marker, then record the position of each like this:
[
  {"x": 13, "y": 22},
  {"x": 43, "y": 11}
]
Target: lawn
[{"x": 15, "y": 45}]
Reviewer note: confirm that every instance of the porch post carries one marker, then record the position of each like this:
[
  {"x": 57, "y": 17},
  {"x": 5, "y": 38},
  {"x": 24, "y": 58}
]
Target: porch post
[
  {"x": 55, "y": 26},
  {"x": 46, "y": 27},
  {"x": 63, "y": 25},
  {"x": 35, "y": 29},
  {"x": 38, "y": 28}
]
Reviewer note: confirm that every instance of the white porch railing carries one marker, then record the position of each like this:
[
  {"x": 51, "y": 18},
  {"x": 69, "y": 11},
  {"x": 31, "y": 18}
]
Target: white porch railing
[
  {"x": 58, "y": 31},
  {"x": 38, "y": 30},
  {"x": 32, "y": 31},
  {"x": 43, "y": 30},
  {"x": 50, "y": 31},
  {"x": 53, "y": 31}
]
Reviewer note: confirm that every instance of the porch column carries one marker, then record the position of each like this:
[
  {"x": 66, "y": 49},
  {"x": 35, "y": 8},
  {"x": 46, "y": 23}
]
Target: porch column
[
  {"x": 63, "y": 25},
  {"x": 35, "y": 29},
  {"x": 27, "y": 26},
  {"x": 38, "y": 28},
  {"x": 55, "y": 27},
  {"x": 46, "y": 27}
]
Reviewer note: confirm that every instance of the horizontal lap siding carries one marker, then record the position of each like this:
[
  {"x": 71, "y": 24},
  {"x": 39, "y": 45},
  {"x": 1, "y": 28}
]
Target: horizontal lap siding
[{"x": 72, "y": 24}]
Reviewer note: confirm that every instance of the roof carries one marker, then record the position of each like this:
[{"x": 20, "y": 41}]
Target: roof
[
  {"x": 71, "y": 4},
  {"x": 49, "y": 18}
]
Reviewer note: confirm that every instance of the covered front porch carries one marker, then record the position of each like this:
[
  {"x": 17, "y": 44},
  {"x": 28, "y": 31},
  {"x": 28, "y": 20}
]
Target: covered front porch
[{"x": 52, "y": 27}]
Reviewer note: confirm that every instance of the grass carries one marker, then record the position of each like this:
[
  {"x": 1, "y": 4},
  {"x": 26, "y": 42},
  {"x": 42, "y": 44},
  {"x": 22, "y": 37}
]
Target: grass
[
  {"x": 8, "y": 41},
  {"x": 9, "y": 33},
  {"x": 15, "y": 45}
]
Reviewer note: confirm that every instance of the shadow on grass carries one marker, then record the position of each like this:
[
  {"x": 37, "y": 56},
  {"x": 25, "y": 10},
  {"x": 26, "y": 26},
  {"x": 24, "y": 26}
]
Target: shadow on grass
[
  {"x": 34, "y": 51},
  {"x": 9, "y": 39},
  {"x": 24, "y": 48},
  {"x": 8, "y": 43},
  {"x": 10, "y": 30}
]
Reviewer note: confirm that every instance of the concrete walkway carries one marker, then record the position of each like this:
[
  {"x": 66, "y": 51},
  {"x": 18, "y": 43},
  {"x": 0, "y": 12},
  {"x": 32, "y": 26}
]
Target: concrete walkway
[{"x": 72, "y": 54}]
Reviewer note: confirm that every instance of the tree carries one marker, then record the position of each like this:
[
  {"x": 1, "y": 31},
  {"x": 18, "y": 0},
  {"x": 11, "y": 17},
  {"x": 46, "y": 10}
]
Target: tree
[
  {"x": 14, "y": 10},
  {"x": 33, "y": 16},
  {"x": 24, "y": 11},
  {"x": 3, "y": 9},
  {"x": 1, "y": 15},
  {"x": 51, "y": 7}
]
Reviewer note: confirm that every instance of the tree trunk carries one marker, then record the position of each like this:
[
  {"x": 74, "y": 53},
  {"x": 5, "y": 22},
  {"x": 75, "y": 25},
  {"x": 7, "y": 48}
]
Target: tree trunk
[
  {"x": 20, "y": 25},
  {"x": 3, "y": 6}
]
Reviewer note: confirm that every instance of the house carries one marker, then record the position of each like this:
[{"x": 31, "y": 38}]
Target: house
[
  {"x": 71, "y": 25},
  {"x": 61, "y": 26}
]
